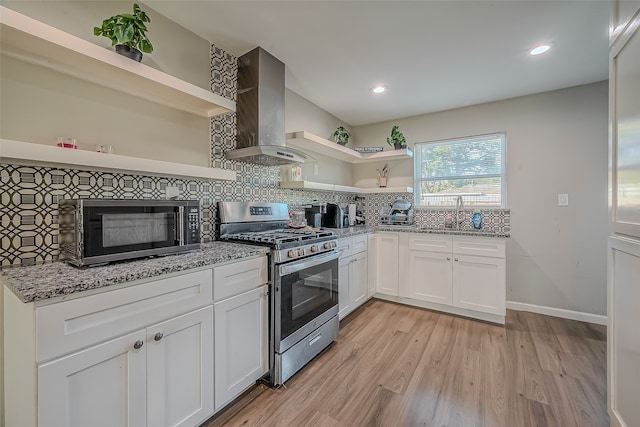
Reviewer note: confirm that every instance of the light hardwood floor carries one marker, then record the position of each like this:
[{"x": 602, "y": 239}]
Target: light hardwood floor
[{"x": 395, "y": 365}]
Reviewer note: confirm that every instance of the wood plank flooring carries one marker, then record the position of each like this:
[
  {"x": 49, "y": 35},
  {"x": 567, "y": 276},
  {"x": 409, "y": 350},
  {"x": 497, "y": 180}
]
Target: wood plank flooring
[{"x": 395, "y": 365}]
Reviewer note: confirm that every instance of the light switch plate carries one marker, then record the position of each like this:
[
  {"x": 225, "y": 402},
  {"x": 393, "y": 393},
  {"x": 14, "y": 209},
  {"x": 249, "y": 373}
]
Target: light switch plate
[
  {"x": 563, "y": 200},
  {"x": 171, "y": 192}
]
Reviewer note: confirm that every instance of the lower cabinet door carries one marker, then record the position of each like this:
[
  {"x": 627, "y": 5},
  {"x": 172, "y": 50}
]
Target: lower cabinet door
[
  {"x": 387, "y": 263},
  {"x": 344, "y": 276},
  {"x": 102, "y": 386},
  {"x": 430, "y": 276},
  {"x": 358, "y": 285},
  {"x": 241, "y": 343},
  {"x": 479, "y": 284},
  {"x": 180, "y": 370}
]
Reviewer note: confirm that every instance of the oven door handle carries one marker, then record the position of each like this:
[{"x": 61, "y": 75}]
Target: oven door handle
[{"x": 312, "y": 262}]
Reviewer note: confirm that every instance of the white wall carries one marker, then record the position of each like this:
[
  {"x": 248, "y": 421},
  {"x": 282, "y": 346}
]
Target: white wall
[
  {"x": 300, "y": 114},
  {"x": 556, "y": 143},
  {"x": 38, "y": 104},
  {"x": 177, "y": 51}
]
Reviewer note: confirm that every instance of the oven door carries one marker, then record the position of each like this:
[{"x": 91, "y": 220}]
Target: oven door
[{"x": 306, "y": 297}]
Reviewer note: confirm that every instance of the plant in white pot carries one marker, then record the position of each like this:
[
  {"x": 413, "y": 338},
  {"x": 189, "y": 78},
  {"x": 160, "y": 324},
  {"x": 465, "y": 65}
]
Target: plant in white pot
[
  {"x": 127, "y": 33},
  {"x": 341, "y": 135}
]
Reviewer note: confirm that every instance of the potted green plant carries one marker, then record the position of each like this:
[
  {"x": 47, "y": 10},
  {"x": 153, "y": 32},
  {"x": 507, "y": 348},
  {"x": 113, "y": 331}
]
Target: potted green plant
[
  {"x": 341, "y": 135},
  {"x": 397, "y": 139},
  {"x": 127, "y": 32}
]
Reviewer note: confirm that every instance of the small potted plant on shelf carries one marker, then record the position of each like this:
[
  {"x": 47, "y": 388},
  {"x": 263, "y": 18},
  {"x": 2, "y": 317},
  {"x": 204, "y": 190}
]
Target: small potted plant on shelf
[
  {"x": 397, "y": 139},
  {"x": 341, "y": 135},
  {"x": 128, "y": 33}
]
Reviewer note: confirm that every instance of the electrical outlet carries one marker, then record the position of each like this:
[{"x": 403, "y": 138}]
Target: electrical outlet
[
  {"x": 563, "y": 200},
  {"x": 172, "y": 192}
]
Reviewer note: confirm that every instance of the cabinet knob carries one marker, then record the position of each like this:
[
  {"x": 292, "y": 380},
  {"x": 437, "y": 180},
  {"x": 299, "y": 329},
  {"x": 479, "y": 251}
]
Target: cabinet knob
[
  {"x": 448, "y": 258},
  {"x": 455, "y": 259},
  {"x": 138, "y": 344},
  {"x": 158, "y": 336},
  {"x": 266, "y": 293}
]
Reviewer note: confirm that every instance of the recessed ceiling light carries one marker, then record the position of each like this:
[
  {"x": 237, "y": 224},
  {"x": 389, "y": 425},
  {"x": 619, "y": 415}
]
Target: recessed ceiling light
[
  {"x": 378, "y": 89},
  {"x": 539, "y": 50}
]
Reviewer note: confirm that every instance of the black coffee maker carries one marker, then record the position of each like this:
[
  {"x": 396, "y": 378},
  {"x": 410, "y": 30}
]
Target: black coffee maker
[
  {"x": 335, "y": 217},
  {"x": 314, "y": 214}
]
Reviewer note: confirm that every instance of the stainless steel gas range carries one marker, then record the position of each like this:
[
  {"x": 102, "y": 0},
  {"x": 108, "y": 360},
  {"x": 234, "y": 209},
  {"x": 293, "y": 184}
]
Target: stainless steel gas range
[{"x": 303, "y": 271}]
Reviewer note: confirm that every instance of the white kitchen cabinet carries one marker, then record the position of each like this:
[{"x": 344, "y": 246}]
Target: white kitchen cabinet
[
  {"x": 455, "y": 274},
  {"x": 430, "y": 277},
  {"x": 138, "y": 355},
  {"x": 479, "y": 284},
  {"x": 93, "y": 370},
  {"x": 161, "y": 376},
  {"x": 462, "y": 272},
  {"x": 352, "y": 274},
  {"x": 372, "y": 280},
  {"x": 241, "y": 343},
  {"x": 101, "y": 386},
  {"x": 387, "y": 263},
  {"x": 179, "y": 370}
]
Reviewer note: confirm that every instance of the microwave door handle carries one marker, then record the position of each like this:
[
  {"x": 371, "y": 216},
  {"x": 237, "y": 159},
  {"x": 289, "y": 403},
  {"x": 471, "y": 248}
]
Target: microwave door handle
[{"x": 180, "y": 225}]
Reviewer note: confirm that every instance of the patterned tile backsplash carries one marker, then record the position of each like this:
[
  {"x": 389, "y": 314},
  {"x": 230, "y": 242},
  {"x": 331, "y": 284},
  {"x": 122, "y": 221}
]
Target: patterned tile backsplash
[{"x": 29, "y": 195}]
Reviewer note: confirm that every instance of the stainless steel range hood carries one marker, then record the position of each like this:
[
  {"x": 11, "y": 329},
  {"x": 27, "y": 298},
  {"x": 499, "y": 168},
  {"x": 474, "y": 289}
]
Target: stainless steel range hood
[{"x": 260, "y": 112}]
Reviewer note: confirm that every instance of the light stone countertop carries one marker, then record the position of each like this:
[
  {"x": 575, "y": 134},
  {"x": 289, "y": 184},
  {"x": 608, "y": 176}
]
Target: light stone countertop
[
  {"x": 449, "y": 231},
  {"x": 44, "y": 281}
]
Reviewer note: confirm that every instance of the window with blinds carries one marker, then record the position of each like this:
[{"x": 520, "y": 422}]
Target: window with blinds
[{"x": 472, "y": 167}]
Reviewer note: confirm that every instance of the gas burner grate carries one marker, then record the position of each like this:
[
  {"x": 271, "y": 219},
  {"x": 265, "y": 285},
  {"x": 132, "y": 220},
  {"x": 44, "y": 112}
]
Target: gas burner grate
[{"x": 278, "y": 237}]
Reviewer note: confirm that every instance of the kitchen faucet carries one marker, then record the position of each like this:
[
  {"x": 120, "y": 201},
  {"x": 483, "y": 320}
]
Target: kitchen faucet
[{"x": 459, "y": 208}]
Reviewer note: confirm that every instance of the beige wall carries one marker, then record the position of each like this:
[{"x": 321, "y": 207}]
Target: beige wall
[
  {"x": 556, "y": 143},
  {"x": 302, "y": 115},
  {"x": 177, "y": 51}
]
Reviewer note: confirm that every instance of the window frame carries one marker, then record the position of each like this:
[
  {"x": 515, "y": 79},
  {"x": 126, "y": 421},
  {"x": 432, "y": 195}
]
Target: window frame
[{"x": 417, "y": 180}]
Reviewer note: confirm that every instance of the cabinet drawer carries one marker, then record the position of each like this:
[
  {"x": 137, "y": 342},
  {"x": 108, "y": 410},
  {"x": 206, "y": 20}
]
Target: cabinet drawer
[
  {"x": 72, "y": 325},
  {"x": 489, "y": 247},
  {"x": 433, "y": 243},
  {"x": 359, "y": 243},
  {"x": 345, "y": 245},
  {"x": 234, "y": 279}
]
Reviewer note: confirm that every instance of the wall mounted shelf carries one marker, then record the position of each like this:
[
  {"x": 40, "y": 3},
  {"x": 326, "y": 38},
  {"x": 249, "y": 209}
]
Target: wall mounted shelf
[
  {"x": 319, "y": 186},
  {"x": 306, "y": 141},
  {"x": 29, "y": 153},
  {"x": 32, "y": 41}
]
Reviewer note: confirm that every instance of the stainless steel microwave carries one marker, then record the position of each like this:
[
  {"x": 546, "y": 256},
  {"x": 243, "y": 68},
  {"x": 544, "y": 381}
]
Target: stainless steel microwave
[{"x": 98, "y": 231}]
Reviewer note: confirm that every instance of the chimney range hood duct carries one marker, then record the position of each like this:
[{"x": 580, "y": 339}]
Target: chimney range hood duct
[{"x": 260, "y": 134}]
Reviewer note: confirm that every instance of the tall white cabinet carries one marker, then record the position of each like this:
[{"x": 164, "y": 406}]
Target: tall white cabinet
[{"x": 623, "y": 267}]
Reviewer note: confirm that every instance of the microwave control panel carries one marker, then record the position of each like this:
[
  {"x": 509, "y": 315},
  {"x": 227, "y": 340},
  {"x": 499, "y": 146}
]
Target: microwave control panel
[{"x": 193, "y": 224}]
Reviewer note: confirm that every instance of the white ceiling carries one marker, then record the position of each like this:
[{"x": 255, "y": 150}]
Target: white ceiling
[{"x": 432, "y": 55}]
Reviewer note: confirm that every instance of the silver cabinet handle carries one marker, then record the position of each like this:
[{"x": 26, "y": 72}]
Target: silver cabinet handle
[
  {"x": 158, "y": 336},
  {"x": 138, "y": 344}
]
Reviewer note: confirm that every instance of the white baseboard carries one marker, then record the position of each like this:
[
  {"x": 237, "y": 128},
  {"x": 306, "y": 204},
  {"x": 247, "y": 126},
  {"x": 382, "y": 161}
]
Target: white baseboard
[{"x": 558, "y": 312}]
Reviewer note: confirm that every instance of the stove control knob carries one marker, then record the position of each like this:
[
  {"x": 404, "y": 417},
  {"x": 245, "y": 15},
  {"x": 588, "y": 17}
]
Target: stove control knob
[
  {"x": 314, "y": 248},
  {"x": 301, "y": 252},
  {"x": 328, "y": 245},
  {"x": 292, "y": 253},
  {"x": 334, "y": 244}
]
